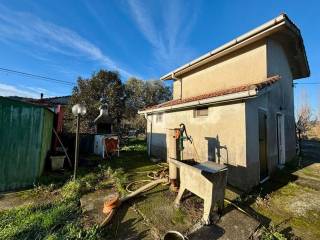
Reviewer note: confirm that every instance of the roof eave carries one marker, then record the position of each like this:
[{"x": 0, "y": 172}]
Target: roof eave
[
  {"x": 254, "y": 35},
  {"x": 254, "y": 91},
  {"x": 208, "y": 101}
]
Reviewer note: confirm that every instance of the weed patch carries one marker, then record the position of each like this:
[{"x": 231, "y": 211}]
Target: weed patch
[
  {"x": 57, "y": 213},
  {"x": 271, "y": 233},
  {"x": 297, "y": 203},
  {"x": 135, "y": 148},
  {"x": 60, "y": 218}
]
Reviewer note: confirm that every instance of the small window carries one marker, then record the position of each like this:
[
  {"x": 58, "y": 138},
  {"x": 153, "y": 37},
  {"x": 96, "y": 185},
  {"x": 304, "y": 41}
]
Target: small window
[
  {"x": 200, "y": 112},
  {"x": 159, "y": 117}
]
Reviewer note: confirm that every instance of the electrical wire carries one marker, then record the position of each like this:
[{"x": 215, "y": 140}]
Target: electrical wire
[
  {"x": 30, "y": 75},
  {"x": 311, "y": 83}
]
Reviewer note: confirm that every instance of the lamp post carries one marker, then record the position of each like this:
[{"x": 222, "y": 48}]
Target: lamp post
[{"x": 77, "y": 110}]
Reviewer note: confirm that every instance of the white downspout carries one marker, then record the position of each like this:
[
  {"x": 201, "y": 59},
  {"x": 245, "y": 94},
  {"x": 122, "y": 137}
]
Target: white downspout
[{"x": 150, "y": 138}]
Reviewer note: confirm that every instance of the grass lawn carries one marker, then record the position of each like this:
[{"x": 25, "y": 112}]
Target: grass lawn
[
  {"x": 288, "y": 205},
  {"x": 52, "y": 209}
]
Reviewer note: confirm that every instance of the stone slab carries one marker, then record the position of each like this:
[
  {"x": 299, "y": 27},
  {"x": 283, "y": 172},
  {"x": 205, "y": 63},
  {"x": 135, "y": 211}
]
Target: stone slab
[{"x": 232, "y": 225}]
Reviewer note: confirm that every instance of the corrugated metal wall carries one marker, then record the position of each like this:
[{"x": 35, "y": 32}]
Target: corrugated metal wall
[{"x": 25, "y": 138}]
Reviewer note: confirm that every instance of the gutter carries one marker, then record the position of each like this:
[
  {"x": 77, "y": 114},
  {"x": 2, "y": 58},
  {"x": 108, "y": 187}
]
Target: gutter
[
  {"x": 256, "y": 34},
  {"x": 251, "y": 93},
  {"x": 208, "y": 101}
]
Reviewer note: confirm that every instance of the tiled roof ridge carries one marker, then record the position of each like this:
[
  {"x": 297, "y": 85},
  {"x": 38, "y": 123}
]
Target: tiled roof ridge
[{"x": 269, "y": 81}]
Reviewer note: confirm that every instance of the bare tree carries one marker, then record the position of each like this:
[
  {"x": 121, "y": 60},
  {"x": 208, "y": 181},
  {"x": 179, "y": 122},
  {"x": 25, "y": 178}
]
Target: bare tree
[{"x": 304, "y": 114}]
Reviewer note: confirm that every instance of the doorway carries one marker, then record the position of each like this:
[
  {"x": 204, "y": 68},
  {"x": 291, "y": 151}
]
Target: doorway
[
  {"x": 280, "y": 139},
  {"x": 263, "y": 154}
]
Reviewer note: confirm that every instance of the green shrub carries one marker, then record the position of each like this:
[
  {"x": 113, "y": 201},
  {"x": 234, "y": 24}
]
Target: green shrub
[
  {"x": 71, "y": 190},
  {"x": 271, "y": 233},
  {"x": 119, "y": 178},
  {"x": 135, "y": 148}
]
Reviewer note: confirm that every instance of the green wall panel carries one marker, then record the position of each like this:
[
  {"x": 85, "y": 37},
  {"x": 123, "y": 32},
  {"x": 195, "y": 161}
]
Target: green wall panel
[{"x": 25, "y": 138}]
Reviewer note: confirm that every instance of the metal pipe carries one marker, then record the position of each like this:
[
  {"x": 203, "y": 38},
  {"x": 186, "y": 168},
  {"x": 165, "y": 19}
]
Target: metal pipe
[
  {"x": 150, "y": 138},
  {"x": 76, "y": 149}
]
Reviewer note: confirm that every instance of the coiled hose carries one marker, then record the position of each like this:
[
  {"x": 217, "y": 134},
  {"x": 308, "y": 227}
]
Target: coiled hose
[{"x": 163, "y": 172}]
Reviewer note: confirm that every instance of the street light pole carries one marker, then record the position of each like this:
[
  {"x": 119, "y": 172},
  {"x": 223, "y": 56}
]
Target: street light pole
[
  {"x": 77, "y": 110},
  {"x": 76, "y": 154}
]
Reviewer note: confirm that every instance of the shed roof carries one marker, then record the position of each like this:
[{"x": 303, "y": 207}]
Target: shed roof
[
  {"x": 52, "y": 101},
  {"x": 243, "y": 88},
  {"x": 25, "y": 101},
  {"x": 281, "y": 28}
]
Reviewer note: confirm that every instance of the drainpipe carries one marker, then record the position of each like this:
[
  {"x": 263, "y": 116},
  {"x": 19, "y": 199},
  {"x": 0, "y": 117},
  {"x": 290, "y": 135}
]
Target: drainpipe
[
  {"x": 150, "y": 138},
  {"x": 178, "y": 79}
]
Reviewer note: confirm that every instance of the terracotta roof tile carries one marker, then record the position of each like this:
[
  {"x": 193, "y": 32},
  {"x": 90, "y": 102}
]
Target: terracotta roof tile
[{"x": 269, "y": 81}]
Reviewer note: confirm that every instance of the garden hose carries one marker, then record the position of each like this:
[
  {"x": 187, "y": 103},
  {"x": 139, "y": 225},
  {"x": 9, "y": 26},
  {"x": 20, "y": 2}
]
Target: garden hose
[
  {"x": 152, "y": 175},
  {"x": 162, "y": 173},
  {"x": 236, "y": 206}
]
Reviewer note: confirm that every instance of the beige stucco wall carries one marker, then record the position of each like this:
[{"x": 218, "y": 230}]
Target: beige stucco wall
[
  {"x": 245, "y": 66},
  {"x": 235, "y": 126},
  {"x": 278, "y": 100},
  {"x": 278, "y": 64},
  {"x": 177, "y": 90},
  {"x": 224, "y": 126}
]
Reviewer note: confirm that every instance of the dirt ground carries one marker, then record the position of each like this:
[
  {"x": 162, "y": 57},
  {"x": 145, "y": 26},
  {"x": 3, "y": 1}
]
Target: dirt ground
[
  {"x": 288, "y": 204},
  {"x": 151, "y": 215}
]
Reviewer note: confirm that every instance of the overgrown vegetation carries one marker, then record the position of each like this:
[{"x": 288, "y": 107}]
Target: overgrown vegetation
[
  {"x": 272, "y": 233},
  {"x": 288, "y": 205},
  {"x": 135, "y": 148},
  {"x": 58, "y": 217},
  {"x": 57, "y": 214}
]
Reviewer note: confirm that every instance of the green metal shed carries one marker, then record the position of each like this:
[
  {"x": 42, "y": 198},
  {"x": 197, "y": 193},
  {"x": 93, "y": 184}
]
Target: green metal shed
[{"x": 25, "y": 139}]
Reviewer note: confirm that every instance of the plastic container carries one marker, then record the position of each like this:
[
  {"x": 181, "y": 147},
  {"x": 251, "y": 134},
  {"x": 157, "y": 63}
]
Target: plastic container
[
  {"x": 57, "y": 162},
  {"x": 173, "y": 235}
]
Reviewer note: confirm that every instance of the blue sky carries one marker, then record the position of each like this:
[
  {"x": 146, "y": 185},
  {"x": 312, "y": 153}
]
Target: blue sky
[{"x": 67, "y": 39}]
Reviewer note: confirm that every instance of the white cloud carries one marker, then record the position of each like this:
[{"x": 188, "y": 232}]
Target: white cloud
[
  {"x": 25, "y": 27},
  {"x": 169, "y": 40},
  {"x": 10, "y": 90},
  {"x": 37, "y": 90}
]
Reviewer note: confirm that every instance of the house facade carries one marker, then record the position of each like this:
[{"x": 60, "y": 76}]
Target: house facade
[{"x": 237, "y": 103}]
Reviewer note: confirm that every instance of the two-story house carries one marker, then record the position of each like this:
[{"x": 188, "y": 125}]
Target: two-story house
[{"x": 237, "y": 103}]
